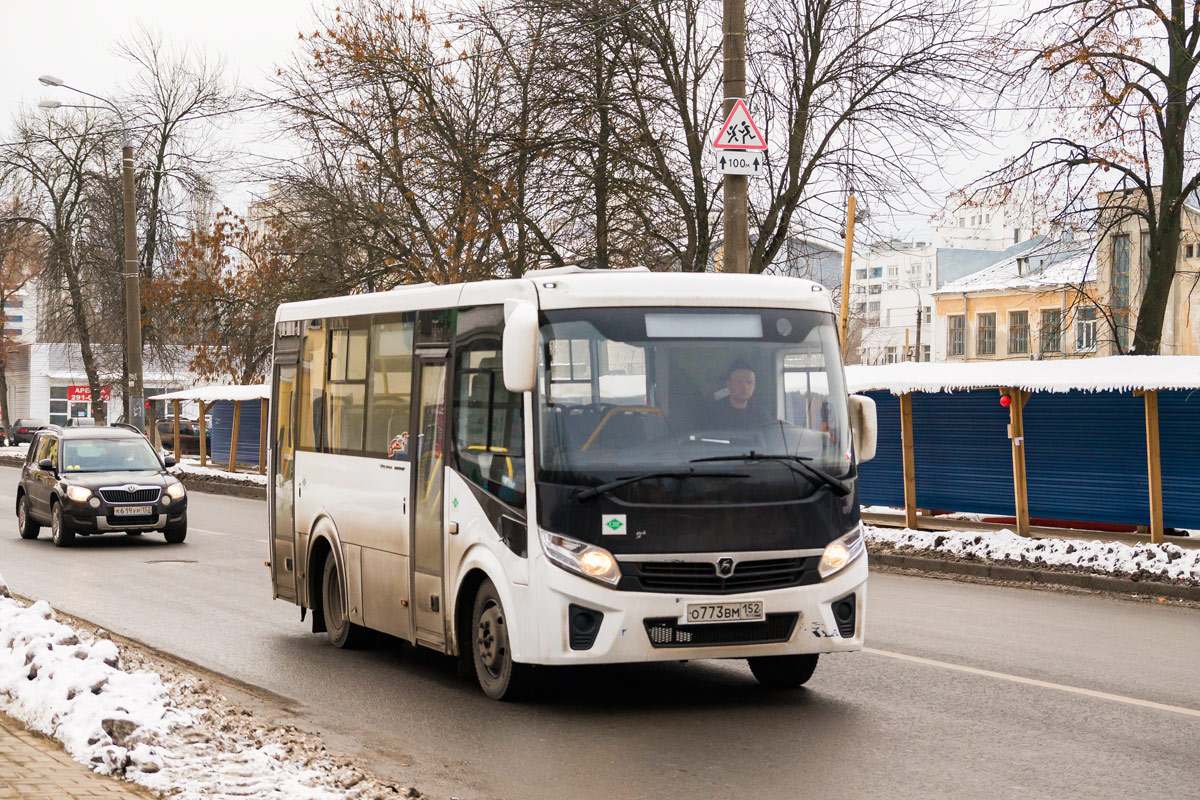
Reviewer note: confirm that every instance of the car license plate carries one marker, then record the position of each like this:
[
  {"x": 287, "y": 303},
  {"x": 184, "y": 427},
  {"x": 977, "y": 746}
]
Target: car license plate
[
  {"x": 736, "y": 611},
  {"x": 132, "y": 511}
]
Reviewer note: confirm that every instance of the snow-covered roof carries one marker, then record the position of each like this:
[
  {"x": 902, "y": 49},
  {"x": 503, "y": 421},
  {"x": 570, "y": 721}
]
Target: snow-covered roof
[
  {"x": 1062, "y": 270},
  {"x": 1112, "y": 373},
  {"x": 254, "y": 391}
]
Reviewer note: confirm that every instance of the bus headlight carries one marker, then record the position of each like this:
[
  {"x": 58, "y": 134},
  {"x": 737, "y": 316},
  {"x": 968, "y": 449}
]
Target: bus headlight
[
  {"x": 840, "y": 552},
  {"x": 581, "y": 558}
]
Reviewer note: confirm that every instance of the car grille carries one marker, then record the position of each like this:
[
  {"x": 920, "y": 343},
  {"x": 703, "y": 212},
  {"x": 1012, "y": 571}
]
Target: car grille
[
  {"x": 142, "y": 494},
  {"x": 700, "y": 577},
  {"x": 667, "y": 632}
]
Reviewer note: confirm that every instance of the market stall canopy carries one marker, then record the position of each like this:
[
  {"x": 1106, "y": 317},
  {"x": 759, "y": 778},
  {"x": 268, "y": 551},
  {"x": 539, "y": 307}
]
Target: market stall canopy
[
  {"x": 210, "y": 394},
  {"x": 1108, "y": 374}
]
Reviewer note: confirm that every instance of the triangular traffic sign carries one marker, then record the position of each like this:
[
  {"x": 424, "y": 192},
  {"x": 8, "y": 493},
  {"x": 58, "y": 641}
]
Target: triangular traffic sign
[{"x": 739, "y": 131}]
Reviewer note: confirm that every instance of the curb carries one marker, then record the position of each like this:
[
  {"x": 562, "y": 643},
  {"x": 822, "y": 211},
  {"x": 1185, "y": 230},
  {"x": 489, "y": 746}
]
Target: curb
[
  {"x": 1003, "y": 572},
  {"x": 212, "y": 484}
]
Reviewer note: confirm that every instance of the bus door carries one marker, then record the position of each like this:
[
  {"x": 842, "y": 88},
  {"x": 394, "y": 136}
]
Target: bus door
[
  {"x": 428, "y": 472},
  {"x": 281, "y": 486}
]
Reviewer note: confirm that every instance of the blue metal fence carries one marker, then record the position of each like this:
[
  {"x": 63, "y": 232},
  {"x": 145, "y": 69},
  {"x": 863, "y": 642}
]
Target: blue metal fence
[
  {"x": 222, "y": 435},
  {"x": 1085, "y": 455}
]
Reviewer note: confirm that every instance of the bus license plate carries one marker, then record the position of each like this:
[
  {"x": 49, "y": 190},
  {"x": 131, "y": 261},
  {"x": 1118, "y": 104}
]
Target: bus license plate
[
  {"x": 131, "y": 511},
  {"x": 737, "y": 611}
]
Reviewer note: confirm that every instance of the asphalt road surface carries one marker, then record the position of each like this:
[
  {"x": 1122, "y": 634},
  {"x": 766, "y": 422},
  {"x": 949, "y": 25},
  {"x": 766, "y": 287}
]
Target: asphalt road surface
[{"x": 966, "y": 691}]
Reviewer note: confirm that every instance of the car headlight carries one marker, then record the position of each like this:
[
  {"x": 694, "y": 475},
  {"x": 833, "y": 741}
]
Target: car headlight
[
  {"x": 581, "y": 558},
  {"x": 176, "y": 490},
  {"x": 79, "y": 494},
  {"x": 840, "y": 552}
]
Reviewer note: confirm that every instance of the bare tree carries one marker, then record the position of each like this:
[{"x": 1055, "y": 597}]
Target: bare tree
[
  {"x": 20, "y": 260},
  {"x": 1119, "y": 83}
]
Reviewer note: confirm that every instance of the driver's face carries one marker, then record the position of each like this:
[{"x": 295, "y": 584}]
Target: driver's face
[{"x": 741, "y": 386}]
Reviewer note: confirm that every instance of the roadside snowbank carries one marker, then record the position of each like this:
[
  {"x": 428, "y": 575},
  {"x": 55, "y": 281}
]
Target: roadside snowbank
[
  {"x": 1160, "y": 562},
  {"x": 190, "y": 467},
  {"x": 115, "y": 712}
]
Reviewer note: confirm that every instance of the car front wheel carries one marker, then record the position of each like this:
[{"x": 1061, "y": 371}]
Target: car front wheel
[
  {"x": 62, "y": 534},
  {"x": 25, "y": 524}
]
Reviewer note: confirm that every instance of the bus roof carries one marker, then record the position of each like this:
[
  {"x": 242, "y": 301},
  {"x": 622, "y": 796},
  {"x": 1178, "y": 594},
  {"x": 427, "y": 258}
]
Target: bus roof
[{"x": 582, "y": 288}]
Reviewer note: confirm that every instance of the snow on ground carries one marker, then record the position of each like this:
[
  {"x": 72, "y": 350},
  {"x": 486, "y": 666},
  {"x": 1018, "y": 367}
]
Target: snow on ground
[
  {"x": 1144, "y": 561},
  {"x": 122, "y": 714},
  {"x": 191, "y": 466}
]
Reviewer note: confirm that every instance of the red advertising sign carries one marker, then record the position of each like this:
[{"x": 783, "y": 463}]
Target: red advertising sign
[{"x": 84, "y": 393}]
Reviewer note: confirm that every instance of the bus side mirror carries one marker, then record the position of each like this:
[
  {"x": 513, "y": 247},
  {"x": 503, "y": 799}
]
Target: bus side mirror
[
  {"x": 520, "y": 345},
  {"x": 864, "y": 426}
]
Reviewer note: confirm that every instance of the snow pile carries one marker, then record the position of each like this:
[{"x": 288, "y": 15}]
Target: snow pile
[
  {"x": 1107, "y": 374},
  {"x": 190, "y": 467},
  {"x": 116, "y": 714},
  {"x": 1166, "y": 561}
]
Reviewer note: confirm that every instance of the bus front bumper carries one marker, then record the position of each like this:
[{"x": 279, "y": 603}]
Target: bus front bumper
[{"x": 650, "y": 626}]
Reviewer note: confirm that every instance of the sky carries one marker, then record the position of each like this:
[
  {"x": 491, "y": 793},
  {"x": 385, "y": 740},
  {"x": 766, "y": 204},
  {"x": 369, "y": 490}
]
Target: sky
[{"x": 76, "y": 40}]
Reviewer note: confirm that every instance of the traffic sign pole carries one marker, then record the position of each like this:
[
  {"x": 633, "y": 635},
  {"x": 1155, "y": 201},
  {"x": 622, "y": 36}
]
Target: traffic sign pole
[{"x": 736, "y": 256}]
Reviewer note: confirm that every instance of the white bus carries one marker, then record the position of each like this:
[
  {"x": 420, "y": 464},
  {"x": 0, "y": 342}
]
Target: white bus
[{"x": 574, "y": 467}]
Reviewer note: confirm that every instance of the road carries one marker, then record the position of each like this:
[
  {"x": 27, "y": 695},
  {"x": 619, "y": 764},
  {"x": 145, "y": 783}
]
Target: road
[{"x": 967, "y": 690}]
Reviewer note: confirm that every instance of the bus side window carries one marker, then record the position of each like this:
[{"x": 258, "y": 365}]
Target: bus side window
[
  {"x": 389, "y": 395},
  {"x": 311, "y": 388},
  {"x": 489, "y": 431}
]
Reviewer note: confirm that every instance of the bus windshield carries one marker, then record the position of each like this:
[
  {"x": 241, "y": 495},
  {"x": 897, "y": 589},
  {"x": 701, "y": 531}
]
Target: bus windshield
[{"x": 625, "y": 391}]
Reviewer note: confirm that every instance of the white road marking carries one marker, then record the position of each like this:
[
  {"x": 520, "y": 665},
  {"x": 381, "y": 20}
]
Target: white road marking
[
  {"x": 203, "y": 530},
  {"x": 1133, "y": 701}
]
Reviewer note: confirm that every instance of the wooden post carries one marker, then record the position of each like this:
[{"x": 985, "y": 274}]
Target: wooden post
[
  {"x": 203, "y": 435},
  {"x": 237, "y": 420},
  {"x": 1154, "y": 465},
  {"x": 910, "y": 469},
  {"x": 178, "y": 451},
  {"x": 1016, "y": 432},
  {"x": 262, "y": 436}
]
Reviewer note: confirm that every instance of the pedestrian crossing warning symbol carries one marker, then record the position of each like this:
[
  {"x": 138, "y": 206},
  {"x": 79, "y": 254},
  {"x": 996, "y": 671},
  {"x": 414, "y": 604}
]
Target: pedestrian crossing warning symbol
[{"x": 739, "y": 131}]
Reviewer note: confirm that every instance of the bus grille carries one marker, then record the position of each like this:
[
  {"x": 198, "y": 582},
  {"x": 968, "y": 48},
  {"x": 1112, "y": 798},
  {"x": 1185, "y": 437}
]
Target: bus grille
[
  {"x": 141, "y": 494},
  {"x": 700, "y": 577},
  {"x": 667, "y": 632}
]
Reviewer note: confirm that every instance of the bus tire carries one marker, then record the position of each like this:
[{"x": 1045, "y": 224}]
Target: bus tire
[
  {"x": 28, "y": 528},
  {"x": 784, "y": 672},
  {"x": 342, "y": 632},
  {"x": 500, "y": 677}
]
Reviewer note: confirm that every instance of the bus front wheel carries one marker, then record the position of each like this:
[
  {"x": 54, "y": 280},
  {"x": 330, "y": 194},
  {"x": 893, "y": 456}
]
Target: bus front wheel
[
  {"x": 784, "y": 672},
  {"x": 500, "y": 677}
]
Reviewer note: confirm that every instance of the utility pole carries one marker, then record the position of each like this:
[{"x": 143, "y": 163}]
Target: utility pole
[
  {"x": 918, "y": 352},
  {"x": 736, "y": 210},
  {"x": 133, "y": 292},
  {"x": 847, "y": 252}
]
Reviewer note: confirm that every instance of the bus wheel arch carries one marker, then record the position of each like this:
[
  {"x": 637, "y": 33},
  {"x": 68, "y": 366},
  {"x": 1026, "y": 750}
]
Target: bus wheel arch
[{"x": 320, "y": 550}]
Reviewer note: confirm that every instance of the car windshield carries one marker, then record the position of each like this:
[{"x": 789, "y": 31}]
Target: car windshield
[
  {"x": 108, "y": 455},
  {"x": 627, "y": 391}
]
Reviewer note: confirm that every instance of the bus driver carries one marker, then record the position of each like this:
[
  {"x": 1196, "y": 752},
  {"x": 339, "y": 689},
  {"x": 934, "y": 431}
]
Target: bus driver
[{"x": 736, "y": 411}]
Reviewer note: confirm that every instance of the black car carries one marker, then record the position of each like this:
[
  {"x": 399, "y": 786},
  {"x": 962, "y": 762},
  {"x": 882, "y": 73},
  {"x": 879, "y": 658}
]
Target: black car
[
  {"x": 87, "y": 481},
  {"x": 23, "y": 430}
]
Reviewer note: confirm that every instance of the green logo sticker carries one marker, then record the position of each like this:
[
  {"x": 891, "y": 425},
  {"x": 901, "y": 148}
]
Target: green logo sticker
[
  {"x": 454, "y": 502},
  {"x": 613, "y": 524}
]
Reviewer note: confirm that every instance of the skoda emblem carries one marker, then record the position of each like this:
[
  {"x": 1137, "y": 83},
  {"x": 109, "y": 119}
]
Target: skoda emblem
[
  {"x": 131, "y": 488},
  {"x": 725, "y": 567}
]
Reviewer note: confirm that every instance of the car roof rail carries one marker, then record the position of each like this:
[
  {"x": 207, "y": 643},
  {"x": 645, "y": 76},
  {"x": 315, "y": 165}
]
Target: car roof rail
[
  {"x": 56, "y": 428},
  {"x": 126, "y": 426}
]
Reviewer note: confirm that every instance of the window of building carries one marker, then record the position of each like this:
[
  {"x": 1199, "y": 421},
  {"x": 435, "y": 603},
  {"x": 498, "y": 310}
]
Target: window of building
[
  {"x": 1120, "y": 271},
  {"x": 860, "y": 274},
  {"x": 1051, "y": 330},
  {"x": 1018, "y": 332},
  {"x": 956, "y": 329},
  {"x": 962, "y": 222},
  {"x": 985, "y": 333},
  {"x": 1121, "y": 329},
  {"x": 876, "y": 288},
  {"x": 1085, "y": 329},
  {"x": 925, "y": 352},
  {"x": 889, "y": 355},
  {"x": 1188, "y": 251},
  {"x": 389, "y": 397},
  {"x": 860, "y": 308},
  {"x": 1016, "y": 235},
  {"x": 876, "y": 272},
  {"x": 926, "y": 314},
  {"x": 14, "y": 304},
  {"x": 892, "y": 272}
]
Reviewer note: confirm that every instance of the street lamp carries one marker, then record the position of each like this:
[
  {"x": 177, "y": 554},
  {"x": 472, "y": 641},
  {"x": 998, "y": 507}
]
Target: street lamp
[{"x": 132, "y": 275}]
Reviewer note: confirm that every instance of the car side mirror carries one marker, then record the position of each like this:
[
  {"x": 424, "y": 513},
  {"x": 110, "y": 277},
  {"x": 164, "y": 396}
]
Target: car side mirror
[
  {"x": 865, "y": 427},
  {"x": 520, "y": 345},
  {"x": 169, "y": 461},
  {"x": 46, "y": 464}
]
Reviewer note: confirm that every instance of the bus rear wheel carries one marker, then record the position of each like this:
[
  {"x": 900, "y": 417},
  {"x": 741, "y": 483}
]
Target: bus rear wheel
[
  {"x": 784, "y": 672},
  {"x": 342, "y": 632},
  {"x": 500, "y": 677}
]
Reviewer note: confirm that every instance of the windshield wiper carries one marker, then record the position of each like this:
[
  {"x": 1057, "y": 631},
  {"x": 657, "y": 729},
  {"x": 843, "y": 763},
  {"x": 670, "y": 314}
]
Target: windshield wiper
[
  {"x": 619, "y": 482},
  {"x": 797, "y": 463}
]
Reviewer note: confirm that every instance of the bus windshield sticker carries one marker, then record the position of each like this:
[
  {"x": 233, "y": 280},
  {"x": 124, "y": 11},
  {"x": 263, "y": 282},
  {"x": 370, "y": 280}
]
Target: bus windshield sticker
[{"x": 612, "y": 524}]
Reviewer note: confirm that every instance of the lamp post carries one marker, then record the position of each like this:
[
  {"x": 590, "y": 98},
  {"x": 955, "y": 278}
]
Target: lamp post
[
  {"x": 920, "y": 310},
  {"x": 132, "y": 275}
]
